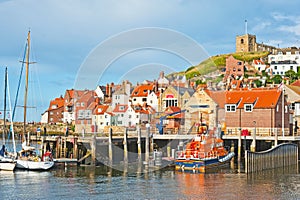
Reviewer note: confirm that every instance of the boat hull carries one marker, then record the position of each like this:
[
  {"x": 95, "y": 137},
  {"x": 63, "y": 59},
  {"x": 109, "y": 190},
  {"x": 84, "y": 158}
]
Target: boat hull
[
  {"x": 202, "y": 164},
  {"x": 7, "y": 166},
  {"x": 33, "y": 165}
]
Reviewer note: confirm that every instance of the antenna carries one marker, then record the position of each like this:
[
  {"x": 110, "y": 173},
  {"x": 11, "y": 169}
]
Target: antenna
[{"x": 245, "y": 27}]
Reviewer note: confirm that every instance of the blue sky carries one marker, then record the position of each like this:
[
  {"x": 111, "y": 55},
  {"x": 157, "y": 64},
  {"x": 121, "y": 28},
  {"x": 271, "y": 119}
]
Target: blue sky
[{"x": 65, "y": 33}]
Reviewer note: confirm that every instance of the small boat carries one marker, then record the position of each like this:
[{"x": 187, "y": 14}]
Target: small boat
[
  {"x": 27, "y": 157},
  {"x": 7, "y": 159},
  {"x": 204, "y": 151}
]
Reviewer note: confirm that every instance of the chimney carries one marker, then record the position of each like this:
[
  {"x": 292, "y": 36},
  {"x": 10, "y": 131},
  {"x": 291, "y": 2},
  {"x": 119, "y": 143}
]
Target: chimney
[{"x": 107, "y": 89}]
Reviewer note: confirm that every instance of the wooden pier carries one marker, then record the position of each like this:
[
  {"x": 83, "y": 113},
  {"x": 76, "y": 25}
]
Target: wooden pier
[{"x": 118, "y": 147}]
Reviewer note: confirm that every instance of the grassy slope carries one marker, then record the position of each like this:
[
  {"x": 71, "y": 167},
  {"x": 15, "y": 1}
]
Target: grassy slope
[{"x": 217, "y": 62}]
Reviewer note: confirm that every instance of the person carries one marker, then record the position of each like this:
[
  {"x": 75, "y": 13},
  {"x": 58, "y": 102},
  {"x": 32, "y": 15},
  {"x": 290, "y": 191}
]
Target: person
[
  {"x": 67, "y": 131},
  {"x": 2, "y": 151}
]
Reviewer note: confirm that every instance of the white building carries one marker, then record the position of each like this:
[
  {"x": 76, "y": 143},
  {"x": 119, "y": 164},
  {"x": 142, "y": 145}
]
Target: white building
[
  {"x": 44, "y": 118},
  {"x": 259, "y": 65},
  {"x": 280, "y": 67},
  {"x": 102, "y": 117},
  {"x": 121, "y": 114},
  {"x": 289, "y": 54},
  {"x": 121, "y": 95}
]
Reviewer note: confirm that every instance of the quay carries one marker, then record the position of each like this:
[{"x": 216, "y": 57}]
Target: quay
[{"x": 129, "y": 146}]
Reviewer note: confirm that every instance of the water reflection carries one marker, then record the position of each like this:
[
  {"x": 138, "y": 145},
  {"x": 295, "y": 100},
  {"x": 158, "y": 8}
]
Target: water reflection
[{"x": 78, "y": 182}]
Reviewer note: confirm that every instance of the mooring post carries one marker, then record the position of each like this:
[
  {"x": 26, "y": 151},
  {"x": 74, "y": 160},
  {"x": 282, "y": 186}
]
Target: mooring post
[
  {"x": 169, "y": 149},
  {"x": 253, "y": 145},
  {"x": 139, "y": 144},
  {"x": 147, "y": 144},
  {"x": 65, "y": 147},
  {"x": 239, "y": 146},
  {"x": 75, "y": 147},
  {"x": 125, "y": 146},
  {"x": 110, "y": 153},
  {"x": 94, "y": 149},
  {"x": 276, "y": 138}
]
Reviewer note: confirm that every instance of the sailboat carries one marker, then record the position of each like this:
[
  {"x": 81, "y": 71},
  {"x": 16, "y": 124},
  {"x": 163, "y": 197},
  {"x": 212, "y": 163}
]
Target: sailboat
[
  {"x": 7, "y": 160},
  {"x": 27, "y": 157}
]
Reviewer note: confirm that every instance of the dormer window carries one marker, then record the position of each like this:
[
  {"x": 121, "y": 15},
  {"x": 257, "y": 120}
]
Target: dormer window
[
  {"x": 248, "y": 107},
  {"x": 145, "y": 91},
  {"x": 230, "y": 107},
  {"x": 99, "y": 110}
]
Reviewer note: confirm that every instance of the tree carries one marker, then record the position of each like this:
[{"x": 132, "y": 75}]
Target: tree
[
  {"x": 258, "y": 83},
  {"x": 277, "y": 79},
  {"x": 291, "y": 74}
]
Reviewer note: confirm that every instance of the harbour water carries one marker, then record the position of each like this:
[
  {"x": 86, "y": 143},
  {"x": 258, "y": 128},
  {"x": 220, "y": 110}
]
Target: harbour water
[{"x": 86, "y": 182}]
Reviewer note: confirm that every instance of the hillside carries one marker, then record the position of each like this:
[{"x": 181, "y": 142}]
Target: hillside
[{"x": 217, "y": 62}]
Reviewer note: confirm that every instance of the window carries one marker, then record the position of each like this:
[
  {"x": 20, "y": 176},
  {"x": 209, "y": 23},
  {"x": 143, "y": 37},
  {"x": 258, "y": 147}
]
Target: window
[
  {"x": 82, "y": 104},
  {"x": 134, "y": 99},
  {"x": 242, "y": 41},
  {"x": 144, "y": 99},
  {"x": 51, "y": 113},
  {"x": 230, "y": 108},
  {"x": 291, "y": 67},
  {"x": 292, "y": 106},
  {"x": 122, "y": 115},
  {"x": 275, "y": 67},
  {"x": 248, "y": 107}
]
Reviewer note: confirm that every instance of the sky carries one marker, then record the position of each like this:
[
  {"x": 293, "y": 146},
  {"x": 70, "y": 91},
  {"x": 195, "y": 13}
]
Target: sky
[{"x": 97, "y": 41}]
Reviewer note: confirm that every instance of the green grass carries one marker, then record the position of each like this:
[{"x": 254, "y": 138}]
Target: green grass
[{"x": 217, "y": 62}]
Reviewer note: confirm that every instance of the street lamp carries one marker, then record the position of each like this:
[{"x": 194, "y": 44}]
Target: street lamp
[{"x": 253, "y": 146}]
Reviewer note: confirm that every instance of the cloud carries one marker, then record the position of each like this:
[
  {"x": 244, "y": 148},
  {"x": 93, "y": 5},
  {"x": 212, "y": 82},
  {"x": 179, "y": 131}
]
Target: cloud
[{"x": 261, "y": 26}]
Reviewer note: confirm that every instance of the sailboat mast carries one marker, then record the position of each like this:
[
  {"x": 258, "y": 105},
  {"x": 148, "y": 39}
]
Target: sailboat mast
[
  {"x": 26, "y": 80},
  {"x": 4, "y": 109}
]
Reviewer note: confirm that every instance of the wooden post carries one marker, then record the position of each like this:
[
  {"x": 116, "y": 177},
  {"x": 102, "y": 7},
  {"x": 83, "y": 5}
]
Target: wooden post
[
  {"x": 93, "y": 149},
  {"x": 125, "y": 147},
  {"x": 169, "y": 149},
  {"x": 239, "y": 146},
  {"x": 139, "y": 144},
  {"x": 253, "y": 145},
  {"x": 147, "y": 144},
  {"x": 110, "y": 153},
  {"x": 65, "y": 147},
  {"x": 57, "y": 148},
  {"x": 276, "y": 138},
  {"x": 75, "y": 148}
]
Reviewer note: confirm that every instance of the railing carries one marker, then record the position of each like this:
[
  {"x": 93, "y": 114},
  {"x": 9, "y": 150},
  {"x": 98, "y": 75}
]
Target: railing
[{"x": 280, "y": 156}]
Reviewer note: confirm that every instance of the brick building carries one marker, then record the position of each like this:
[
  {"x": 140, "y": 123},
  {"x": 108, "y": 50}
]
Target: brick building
[
  {"x": 260, "y": 108},
  {"x": 56, "y": 110}
]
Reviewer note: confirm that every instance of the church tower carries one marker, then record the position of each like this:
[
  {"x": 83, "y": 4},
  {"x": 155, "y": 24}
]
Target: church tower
[{"x": 245, "y": 43}]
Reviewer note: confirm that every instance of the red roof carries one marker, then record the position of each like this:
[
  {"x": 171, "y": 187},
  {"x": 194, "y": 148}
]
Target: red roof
[
  {"x": 260, "y": 98},
  {"x": 142, "y": 90},
  {"x": 258, "y": 62},
  {"x": 121, "y": 108},
  {"x": 217, "y": 96},
  {"x": 56, "y": 103},
  {"x": 101, "y": 109},
  {"x": 296, "y": 83}
]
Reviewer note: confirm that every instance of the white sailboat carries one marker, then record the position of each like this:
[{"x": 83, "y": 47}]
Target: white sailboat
[
  {"x": 7, "y": 160},
  {"x": 27, "y": 157}
]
